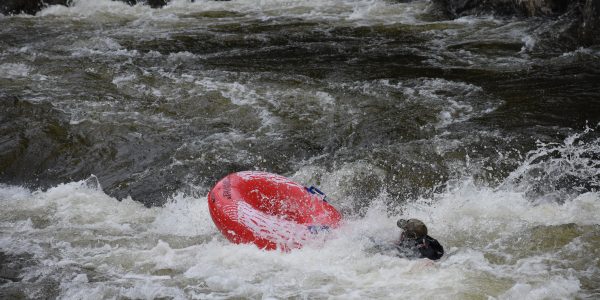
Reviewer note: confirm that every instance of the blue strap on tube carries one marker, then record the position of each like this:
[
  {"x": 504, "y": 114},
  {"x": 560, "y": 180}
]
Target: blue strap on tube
[{"x": 313, "y": 190}]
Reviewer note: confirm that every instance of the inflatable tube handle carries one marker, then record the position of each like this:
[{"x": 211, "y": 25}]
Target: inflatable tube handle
[
  {"x": 315, "y": 229},
  {"x": 313, "y": 190}
]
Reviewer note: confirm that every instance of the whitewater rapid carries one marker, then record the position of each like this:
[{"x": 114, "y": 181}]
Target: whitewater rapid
[
  {"x": 93, "y": 246},
  {"x": 116, "y": 120}
]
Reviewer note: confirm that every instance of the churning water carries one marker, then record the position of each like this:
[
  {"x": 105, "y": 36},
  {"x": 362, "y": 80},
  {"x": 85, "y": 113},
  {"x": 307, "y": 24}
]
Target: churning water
[{"x": 116, "y": 121}]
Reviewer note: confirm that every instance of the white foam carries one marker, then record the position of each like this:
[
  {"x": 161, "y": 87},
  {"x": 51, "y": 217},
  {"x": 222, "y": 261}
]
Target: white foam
[
  {"x": 180, "y": 216},
  {"x": 100, "y": 46},
  {"x": 98, "y": 8},
  {"x": 181, "y": 56},
  {"x": 121, "y": 80},
  {"x": 528, "y": 43},
  {"x": 371, "y": 11},
  {"x": 14, "y": 70},
  {"x": 136, "y": 260},
  {"x": 554, "y": 288},
  {"x": 481, "y": 210}
]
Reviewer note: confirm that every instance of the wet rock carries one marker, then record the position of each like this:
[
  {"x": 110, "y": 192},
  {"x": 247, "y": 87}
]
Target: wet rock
[
  {"x": 579, "y": 21},
  {"x": 157, "y": 3},
  {"x": 589, "y": 25},
  {"x": 11, "y": 7},
  {"x": 458, "y": 8},
  {"x": 151, "y": 3}
]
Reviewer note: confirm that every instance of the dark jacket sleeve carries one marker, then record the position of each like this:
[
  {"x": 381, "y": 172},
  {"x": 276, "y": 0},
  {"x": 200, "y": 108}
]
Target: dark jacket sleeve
[{"x": 431, "y": 248}]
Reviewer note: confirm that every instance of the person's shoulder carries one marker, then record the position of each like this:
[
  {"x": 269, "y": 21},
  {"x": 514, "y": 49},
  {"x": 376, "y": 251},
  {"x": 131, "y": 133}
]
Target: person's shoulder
[
  {"x": 430, "y": 238},
  {"x": 433, "y": 241}
]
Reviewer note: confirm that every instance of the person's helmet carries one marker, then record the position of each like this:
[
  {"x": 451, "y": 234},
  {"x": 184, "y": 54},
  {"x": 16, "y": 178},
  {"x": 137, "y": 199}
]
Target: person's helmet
[{"x": 413, "y": 227}]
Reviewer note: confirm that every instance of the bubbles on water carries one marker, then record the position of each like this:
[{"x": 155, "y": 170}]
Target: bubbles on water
[{"x": 14, "y": 70}]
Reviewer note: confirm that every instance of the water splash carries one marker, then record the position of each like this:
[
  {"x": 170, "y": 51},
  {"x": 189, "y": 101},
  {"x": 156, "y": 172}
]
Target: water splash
[{"x": 560, "y": 171}]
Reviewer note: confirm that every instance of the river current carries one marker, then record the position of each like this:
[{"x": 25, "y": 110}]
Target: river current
[{"x": 116, "y": 121}]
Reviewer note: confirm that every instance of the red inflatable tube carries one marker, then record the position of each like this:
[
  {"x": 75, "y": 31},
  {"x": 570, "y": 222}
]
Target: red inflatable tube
[{"x": 268, "y": 210}]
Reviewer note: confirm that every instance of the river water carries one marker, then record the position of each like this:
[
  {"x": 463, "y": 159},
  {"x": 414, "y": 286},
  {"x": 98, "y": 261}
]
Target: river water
[{"x": 118, "y": 120}]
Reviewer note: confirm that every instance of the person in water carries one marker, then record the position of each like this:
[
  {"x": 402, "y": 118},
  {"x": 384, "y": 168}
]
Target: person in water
[{"x": 414, "y": 241}]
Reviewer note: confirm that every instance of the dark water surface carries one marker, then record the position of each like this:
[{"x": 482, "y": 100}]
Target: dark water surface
[{"x": 483, "y": 127}]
